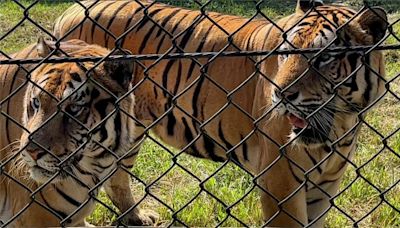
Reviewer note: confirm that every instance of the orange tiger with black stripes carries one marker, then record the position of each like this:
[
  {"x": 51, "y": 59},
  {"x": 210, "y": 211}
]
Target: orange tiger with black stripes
[
  {"x": 292, "y": 120},
  {"x": 48, "y": 112}
]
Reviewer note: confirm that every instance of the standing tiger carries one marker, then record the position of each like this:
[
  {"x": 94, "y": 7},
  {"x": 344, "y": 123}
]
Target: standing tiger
[
  {"x": 66, "y": 114},
  {"x": 293, "y": 120}
]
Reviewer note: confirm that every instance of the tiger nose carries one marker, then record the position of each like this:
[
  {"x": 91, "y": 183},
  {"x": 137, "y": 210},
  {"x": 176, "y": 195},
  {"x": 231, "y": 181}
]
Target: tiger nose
[{"x": 35, "y": 154}]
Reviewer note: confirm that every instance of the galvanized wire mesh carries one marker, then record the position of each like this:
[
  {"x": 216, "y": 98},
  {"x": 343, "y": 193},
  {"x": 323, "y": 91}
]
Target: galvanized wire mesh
[{"x": 373, "y": 129}]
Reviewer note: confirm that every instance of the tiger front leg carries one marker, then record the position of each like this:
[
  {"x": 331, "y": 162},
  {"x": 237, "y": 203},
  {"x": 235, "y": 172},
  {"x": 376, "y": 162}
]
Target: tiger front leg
[
  {"x": 119, "y": 192},
  {"x": 317, "y": 211},
  {"x": 283, "y": 200},
  {"x": 318, "y": 200}
]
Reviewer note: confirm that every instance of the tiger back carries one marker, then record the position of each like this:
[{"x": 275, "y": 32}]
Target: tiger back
[{"x": 191, "y": 84}]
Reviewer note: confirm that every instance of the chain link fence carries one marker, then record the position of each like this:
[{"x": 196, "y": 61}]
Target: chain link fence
[{"x": 203, "y": 85}]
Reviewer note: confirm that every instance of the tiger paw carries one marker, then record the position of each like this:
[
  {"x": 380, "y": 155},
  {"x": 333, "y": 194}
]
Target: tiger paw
[
  {"x": 143, "y": 218},
  {"x": 88, "y": 224},
  {"x": 148, "y": 217}
]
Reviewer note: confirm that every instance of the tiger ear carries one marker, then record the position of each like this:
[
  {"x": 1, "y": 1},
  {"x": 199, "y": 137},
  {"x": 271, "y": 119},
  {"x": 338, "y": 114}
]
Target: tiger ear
[
  {"x": 374, "y": 21},
  {"x": 43, "y": 49},
  {"x": 305, "y": 5},
  {"x": 120, "y": 70}
]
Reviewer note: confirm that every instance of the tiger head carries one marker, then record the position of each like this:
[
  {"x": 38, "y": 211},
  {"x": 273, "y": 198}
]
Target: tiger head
[
  {"x": 322, "y": 93},
  {"x": 71, "y": 124}
]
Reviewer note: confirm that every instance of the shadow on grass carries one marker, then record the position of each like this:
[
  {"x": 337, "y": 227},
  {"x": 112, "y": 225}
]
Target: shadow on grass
[
  {"x": 390, "y": 6},
  {"x": 280, "y": 6},
  {"x": 238, "y": 7}
]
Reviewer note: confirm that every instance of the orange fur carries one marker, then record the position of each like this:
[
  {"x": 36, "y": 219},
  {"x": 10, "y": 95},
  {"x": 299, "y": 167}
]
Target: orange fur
[
  {"x": 15, "y": 200},
  {"x": 196, "y": 95}
]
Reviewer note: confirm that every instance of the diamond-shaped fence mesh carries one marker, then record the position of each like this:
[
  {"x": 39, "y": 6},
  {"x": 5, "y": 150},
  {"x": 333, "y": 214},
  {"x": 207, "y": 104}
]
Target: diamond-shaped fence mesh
[{"x": 291, "y": 109}]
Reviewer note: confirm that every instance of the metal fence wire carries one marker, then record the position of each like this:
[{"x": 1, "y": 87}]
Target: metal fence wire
[{"x": 194, "y": 94}]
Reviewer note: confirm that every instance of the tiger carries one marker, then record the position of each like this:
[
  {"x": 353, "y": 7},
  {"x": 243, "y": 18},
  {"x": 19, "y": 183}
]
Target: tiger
[
  {"x": 64, "y": 113},
  {"x": 292, "y": 120}
]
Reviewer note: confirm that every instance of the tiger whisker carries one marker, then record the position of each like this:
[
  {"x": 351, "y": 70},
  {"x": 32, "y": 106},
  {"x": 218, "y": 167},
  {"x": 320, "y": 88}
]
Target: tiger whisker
[
  {"x": 316, "y": 121},
  {"x": 322, "y": 119},
  {"x": 336, "y": 108}
]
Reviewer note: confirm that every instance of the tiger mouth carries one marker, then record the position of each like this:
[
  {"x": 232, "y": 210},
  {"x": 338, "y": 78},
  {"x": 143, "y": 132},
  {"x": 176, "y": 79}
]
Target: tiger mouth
[
  {"x": 42, "y": 175},
  {"x": 298, "y": 122},
  {"x": 304, "y": 132},
  {"x": 44, "y": 169}
]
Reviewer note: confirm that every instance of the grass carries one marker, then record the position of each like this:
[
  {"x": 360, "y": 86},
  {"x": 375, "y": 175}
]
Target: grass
[
  {"x": 25, "y": 33},
  {"x": 361, "y": 194}
]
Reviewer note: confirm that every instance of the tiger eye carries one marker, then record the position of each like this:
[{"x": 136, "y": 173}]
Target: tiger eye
[
  {"x": 35, "y": 103},
  {"x": 74, "y": 109}
]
